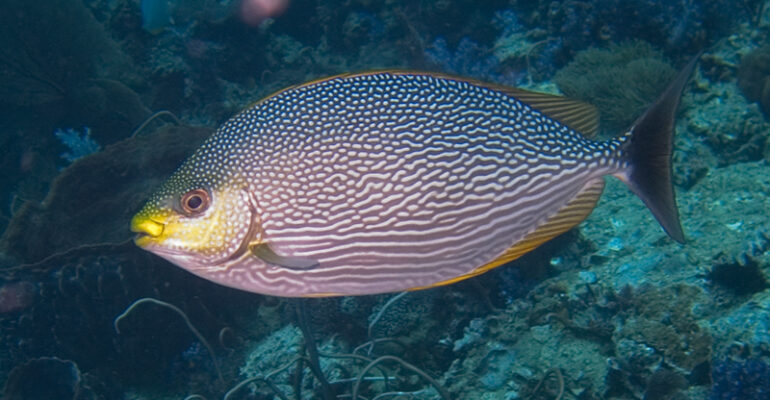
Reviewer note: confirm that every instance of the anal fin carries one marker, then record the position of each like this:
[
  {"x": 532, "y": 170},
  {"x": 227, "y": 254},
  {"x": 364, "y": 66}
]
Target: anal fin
[
  {"x": 576, "y": 210},
  {"x": 573, "y": 213}
]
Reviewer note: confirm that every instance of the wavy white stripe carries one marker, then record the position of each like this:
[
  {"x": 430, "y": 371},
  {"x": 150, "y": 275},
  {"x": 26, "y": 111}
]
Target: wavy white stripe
[{"x": 426, "y": 181}]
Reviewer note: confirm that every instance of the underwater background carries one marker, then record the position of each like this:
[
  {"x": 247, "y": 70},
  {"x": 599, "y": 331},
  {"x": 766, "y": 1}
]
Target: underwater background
[{"x": 100, "y": 100}]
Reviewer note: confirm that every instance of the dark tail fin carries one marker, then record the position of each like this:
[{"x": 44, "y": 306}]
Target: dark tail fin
[{"x": 649, "y": 150}]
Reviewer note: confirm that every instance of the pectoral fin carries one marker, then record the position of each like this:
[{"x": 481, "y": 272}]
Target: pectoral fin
[{"x": 266, "y": 254}]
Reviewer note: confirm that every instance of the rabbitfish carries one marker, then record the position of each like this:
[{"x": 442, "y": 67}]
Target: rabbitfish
[{"x": 389, "y": 181}]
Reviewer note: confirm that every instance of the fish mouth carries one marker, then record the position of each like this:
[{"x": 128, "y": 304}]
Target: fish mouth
[{"x": 146, "y": 229}]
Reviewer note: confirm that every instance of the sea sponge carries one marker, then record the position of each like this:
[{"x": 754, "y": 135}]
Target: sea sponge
[
  {"x": 46, "y": 377},
  {"x": 621, "y": 80},
  {"x": 114, "y": 183},
  {"x": 754, "y": 77}
]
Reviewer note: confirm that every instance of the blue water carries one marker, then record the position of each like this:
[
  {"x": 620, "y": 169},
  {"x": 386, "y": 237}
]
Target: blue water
[{"x": 102, "y": 100}]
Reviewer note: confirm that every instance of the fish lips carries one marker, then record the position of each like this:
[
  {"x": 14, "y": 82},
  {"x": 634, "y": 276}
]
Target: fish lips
[{"x": 146, "y": 229}]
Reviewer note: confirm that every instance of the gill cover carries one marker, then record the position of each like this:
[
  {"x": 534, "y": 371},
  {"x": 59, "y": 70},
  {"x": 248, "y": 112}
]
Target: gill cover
[{"x": 198, "y": 228}]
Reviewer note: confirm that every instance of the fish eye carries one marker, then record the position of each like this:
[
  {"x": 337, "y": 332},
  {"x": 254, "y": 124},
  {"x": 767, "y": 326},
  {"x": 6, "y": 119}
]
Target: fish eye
[{"x": 195, "y": 201}]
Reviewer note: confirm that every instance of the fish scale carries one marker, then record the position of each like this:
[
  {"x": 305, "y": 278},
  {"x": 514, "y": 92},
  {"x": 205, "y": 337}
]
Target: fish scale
[{"x": 386, "y": 181}]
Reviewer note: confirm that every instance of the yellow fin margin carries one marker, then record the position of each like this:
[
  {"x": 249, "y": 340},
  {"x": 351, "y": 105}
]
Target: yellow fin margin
[{"x": 582, "y": 117}]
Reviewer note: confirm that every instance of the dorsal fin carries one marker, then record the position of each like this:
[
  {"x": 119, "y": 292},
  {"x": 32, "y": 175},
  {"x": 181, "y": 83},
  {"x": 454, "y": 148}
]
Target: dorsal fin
[{"x": 580, "y": 116}]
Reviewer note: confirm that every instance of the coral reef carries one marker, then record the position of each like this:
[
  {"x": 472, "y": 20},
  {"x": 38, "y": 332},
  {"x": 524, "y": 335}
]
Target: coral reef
[
  {"x": 740, "y": 379},
  {"x": 742, "y": 278},
  {"x": 674, "y": 26},
  {"x": 51, "y": 378},
  {"x": 665, "y": 330},
  {"x": 664, "y": 385},
  {"x": 467, "y": 59},
  {"x": 612, "y": 309},
  {"x": 753, "y": 74},
  {"x": 621, "y": 81},
  {"x": 113, "y": 183},
  {"x": 49, "y": 51},
  {"x": 731, "y": 129},
  {"x": 59, "y": 67},
  {"x": 59, "y": 58},
  {"x": 79, "y": 144}
]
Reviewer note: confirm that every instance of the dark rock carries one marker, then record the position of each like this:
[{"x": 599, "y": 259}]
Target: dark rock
[
  {"x": 740, "y": 278},
  {"x": 664, "y": 385},
  {"x": 46, "y": 378}
]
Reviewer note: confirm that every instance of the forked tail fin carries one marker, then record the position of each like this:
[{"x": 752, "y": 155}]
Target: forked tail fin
[{"x": 649, "y": 151}]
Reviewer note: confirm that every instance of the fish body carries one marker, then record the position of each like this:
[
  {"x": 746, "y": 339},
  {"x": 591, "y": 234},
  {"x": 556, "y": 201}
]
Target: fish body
[{"x": 391, "y": 181}]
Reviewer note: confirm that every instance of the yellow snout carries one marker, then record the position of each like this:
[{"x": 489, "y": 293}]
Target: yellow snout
[{"x": 146, "y": 228}]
